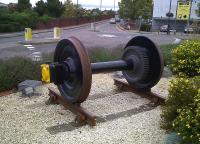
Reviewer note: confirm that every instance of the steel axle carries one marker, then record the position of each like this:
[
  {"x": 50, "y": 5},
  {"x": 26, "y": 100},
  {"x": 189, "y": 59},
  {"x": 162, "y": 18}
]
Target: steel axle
[
  {"x": 141, "y": 65},
  {"x": 111, "y": 66},
  {"x": 61, "y": 71}
]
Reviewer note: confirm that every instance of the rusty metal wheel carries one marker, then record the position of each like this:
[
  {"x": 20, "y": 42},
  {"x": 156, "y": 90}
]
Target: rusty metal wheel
[
  {"x": 148, "y": 66},
  {"x": 76, "y": 89}
]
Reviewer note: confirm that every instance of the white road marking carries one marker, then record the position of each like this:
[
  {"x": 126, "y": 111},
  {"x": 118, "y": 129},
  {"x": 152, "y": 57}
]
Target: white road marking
[
  {"x": 36, "y": 53},
  {"x": 36, "y": 56},
  {"x": 30, "y": 47},
  {"x": 27, "y": 45},
  {"x": 107, "y": 35}
]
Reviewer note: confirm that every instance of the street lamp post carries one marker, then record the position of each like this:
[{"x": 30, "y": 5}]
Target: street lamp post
[
  {"x": 188, "y": 22},
  {"x": 170, "y": 5},
  {"x": 77, "y": 5},
  {"x": 100, "y": 4},
  {"x": 114, "y": 5},
  {"x": 77, "y": 12}
]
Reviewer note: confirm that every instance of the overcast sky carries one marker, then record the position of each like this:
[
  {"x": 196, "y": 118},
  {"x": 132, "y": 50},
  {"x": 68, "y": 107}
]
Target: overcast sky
[{"x": 105, "y": 3}]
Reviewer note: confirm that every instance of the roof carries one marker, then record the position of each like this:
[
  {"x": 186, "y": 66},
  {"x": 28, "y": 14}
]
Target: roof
[{"x": 2, "y": 4}]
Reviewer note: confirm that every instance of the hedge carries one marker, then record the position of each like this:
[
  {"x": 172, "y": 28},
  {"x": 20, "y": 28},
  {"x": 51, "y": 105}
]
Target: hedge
[
  {"x": 186, "y": 59},
  {"x": 16, "y": 70}
]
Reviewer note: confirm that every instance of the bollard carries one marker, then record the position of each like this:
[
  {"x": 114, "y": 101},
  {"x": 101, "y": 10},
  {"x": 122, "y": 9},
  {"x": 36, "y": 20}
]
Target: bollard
[
  {"x": 57, "y": 33},
  {"x": 93, "y": 28},
  {"x": 28, "y": 34}
]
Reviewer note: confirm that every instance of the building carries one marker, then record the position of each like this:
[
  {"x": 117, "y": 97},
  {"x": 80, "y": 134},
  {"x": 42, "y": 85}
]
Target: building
[
  {"x": 3, "y": 5},
  {"x": 162, "y": 7}
]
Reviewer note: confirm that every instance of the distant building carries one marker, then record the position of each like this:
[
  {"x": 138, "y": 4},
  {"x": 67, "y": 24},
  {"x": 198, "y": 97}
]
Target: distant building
[
  {"x": 3, "y": 5},
  {"x": 161, "y": 8}
]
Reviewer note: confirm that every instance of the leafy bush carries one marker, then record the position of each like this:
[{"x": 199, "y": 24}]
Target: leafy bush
[
  {"x": 10, "y": 27},
  {"x": 181, "y": 93},
  {"x": 45, "y": 18},
  {"x": 186, "y": 59},
  {"x": 187, "y": 124},
  {"x": 166, "y": 49},
  {"x": 15, "y": 70},
  {"x": 145, "y": 27},
  {"x": 16, "y": 21}
]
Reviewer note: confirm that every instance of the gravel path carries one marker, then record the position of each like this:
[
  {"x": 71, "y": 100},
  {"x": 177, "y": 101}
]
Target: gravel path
[{"x": 122, "y": 117}]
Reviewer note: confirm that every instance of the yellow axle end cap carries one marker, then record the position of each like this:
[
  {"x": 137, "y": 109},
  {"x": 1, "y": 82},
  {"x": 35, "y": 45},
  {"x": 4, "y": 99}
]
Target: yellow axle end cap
[{"x": 45, "y": 73}]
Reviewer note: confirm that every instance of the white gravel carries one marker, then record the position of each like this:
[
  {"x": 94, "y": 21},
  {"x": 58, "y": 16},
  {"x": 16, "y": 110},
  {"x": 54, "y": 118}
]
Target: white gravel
[{"x": 29, "y": 120}]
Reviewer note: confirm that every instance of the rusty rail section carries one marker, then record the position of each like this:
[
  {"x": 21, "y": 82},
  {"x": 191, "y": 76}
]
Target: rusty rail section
[
  {"x": 82, "y": 115},
  {"x": 124, "y": 86}
]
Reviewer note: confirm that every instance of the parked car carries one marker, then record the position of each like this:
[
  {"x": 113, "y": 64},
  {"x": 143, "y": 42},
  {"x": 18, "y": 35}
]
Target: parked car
[
  {"x": 117, "y": 19},
  {"x": 164, "y": 28},
  {"x": 112, "y": 21},
  {"x": 188, "y": 29}
]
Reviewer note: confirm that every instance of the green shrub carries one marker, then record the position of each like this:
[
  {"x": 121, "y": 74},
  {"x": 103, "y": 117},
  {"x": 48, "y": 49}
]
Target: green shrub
[
  {"x": 166, "y": 49},
  {"x": 10, "y": 27},
  {"x": 10, "y": 22},
  {"x": 15, "y": 70},
  {"x": 186, "y": 59},
  {"x": 103, "y": 54},
  {"x": 26, "y": 19},
  {"x": 145, "y": 27},
  {"x": 44, "y": 18},
  {"x": 187, "y": 124},
  {"x": 181, "y": 93}
]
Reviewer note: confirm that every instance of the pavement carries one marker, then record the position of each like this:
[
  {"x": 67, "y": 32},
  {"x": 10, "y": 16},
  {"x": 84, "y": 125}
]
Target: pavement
[
  {"x": 16, "y": 34},
  {"x": 123, "y": 117}
]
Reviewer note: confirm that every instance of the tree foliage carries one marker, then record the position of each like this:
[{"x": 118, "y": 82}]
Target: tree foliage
[
  {"x": 134, "y": 8},
  {"x": 198, "y": 10},
  {"x": 23, "y": 5},
  {"x": 40, "y": 8},
  {"x": 55, "y": 8},
  {"x": 70, "y": 9}
]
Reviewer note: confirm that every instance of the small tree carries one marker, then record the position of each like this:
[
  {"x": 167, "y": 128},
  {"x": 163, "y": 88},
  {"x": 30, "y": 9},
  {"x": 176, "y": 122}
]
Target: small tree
[
  {"x": 70, "y": 9},
  {"x": 23, "y": 5},
  {"x": 134, "y": 8},
  {"x": 55, "y": 8},
  {"x": 40, "y": 8}
]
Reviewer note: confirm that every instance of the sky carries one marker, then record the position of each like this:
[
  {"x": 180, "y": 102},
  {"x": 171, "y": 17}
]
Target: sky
[{"x": 85, "y": 3}]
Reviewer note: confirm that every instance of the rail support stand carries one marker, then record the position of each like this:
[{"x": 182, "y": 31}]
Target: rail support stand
[
  {"x": 82, "y": 115},
  {"x": 124, "y": 86}
]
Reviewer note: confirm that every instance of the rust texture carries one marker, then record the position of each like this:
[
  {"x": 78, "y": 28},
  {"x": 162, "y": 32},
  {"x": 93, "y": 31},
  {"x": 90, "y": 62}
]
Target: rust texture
[
  {"x": 82, "y": 115},
  {"x": 124, "y": 86}
]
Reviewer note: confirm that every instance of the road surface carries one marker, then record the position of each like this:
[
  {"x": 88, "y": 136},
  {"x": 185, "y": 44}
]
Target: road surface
[{"x": 106, "y": 36}]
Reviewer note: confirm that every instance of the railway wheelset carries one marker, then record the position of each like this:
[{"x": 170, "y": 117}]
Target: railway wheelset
[{"x": 141, "y": 65}]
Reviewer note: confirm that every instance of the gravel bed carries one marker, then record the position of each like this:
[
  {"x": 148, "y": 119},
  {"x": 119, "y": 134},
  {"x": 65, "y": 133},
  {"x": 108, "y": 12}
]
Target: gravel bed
[{"x": 30, "y": 120}]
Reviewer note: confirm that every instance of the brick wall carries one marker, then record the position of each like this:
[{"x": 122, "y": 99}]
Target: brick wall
[{"x": 64, "y": 22}]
